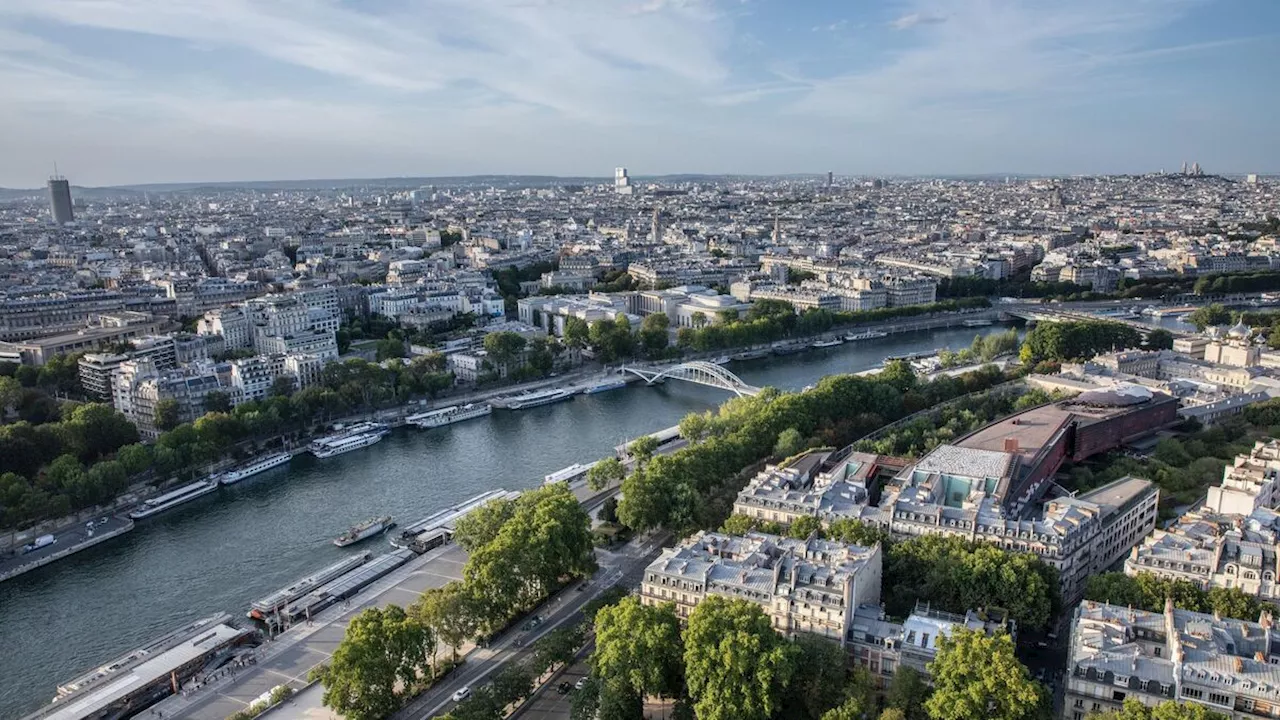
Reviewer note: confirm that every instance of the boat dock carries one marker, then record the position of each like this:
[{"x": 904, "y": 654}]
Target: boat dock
[
  {"x": 260, "y": 609},
  {"x": 444, "y": 520},
  {"x": 148, "y": 674},
  {"x": 344, "y": 586},
  {"x": 668, "y": 439}
]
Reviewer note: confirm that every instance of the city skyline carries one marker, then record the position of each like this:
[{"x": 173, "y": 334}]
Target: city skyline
[{"x": 184, "y": 91}]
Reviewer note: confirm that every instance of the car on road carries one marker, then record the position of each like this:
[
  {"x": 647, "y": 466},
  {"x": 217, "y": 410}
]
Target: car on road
[
  {"x": 564, "y": 687},
  {"x": 582, "y": 682},
  {"x": 533, "y": 623},
  {"x": 463, "y": 693}
]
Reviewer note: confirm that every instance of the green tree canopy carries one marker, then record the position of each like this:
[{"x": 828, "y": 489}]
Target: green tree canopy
[
  {"x": 977, "y": 676},
  {"x": 736, "y": 666},
  {"x": 382, "y": 651},
  {"x": 1206, "y": 315},
  {"x": 607, "y": 471},
  {"x": 639, "y": 647}
]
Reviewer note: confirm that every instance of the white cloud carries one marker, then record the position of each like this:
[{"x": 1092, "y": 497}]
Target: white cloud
[{"x": 913, "y": 19}]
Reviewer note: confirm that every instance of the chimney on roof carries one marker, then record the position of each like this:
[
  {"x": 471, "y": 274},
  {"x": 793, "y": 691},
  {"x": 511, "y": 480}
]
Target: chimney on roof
[{"x": 1011, "y": 444}]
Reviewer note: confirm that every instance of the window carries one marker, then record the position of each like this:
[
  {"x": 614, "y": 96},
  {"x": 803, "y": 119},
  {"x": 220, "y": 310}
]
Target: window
[
  {"x": 1219, "y": 699},
  {"x": 1079, "y": 703},
  {"x": 1117, "y": 696},
  {"x": 1194, "y": 694}
]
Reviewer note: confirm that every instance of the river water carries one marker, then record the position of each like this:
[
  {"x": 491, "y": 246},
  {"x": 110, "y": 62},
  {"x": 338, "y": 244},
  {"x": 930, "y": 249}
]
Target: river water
[{"x": 222, "y": 551}]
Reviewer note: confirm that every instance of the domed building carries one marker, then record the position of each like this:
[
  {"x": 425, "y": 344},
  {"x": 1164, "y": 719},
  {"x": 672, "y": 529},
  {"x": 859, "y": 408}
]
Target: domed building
[{"x": 1233, "y": 347}]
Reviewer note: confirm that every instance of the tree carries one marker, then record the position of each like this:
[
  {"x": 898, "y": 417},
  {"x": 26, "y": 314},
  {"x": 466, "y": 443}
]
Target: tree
[
  {"x": 585, "y": 702},
  {"x": 217, "y": 401},
  {"x": 480, "y": 526},
  {"x": 821, "y": 679},
  {"x": 804, "y": 526},
  {"x": 283, "y": 386},
  {"x": 513, "y": 683},
  {"x": 449, "y": 612},
  {"x": 558, "y": 647},
  {"x": 854, "y": 708},
  {"x": 1206, "y": 315},
  {"x": 736, "y": 665},
  {"x": 899, "y": 374},
  {"x": 168, "y": 414},
  {"x": 695, "y": 426},
  {"x": 638, "y": 647},
  {"x": 504, "y": 347},
  {"x": 653, "y": 332},
  {"x": 1168, "y": 710},
  {"x": 790, "y": 442},
  {"x": 1160, "y": 339},
  {"x": 383, "y": 649},
  {"x": 609, "y": 510},
  {"x": 388, "y": 348},
  {"x": 576, "y": 333},
  {"x": 134, "y": 458},
  {"x": 605, "y": 472},
  {"x": 856, "y": 532},
  {"x": 643, "y": 448},
  {"x": 976, "y": 675},
  {"x": 907, "y": 694}
]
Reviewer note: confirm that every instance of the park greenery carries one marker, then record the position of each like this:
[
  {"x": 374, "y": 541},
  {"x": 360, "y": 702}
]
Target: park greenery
[
  {"x": 1182, "y": 467},
  {"x": 772, "y": 320},
  {"x": 984, "y": 348},
  {"x": 519, "y": 552},
  {"x": 1165, "y": 287},
  {"x": 946, "y": 423},
  {"x": 1073, "y": 341},
  {"x": 695, "y": 486},
  {"x": 1206, "y": 315},
  {"x": 1146, "y": 591}
]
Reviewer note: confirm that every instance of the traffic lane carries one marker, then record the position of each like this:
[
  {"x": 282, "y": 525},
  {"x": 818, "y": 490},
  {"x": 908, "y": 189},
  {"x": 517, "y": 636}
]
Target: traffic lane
[
  {"x": 548, "y": 702},
  {"x": 475, "y": 672},
  {"x": 629, "y": 571},
  {"x": 63, "y": 539}
]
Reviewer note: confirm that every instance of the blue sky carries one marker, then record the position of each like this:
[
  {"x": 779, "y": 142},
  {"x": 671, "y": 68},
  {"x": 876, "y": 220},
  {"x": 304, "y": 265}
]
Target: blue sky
[{"x": 132, "y": 91}]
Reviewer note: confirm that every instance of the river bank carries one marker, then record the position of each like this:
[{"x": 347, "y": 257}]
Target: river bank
[{"x": 218, "y": 552}]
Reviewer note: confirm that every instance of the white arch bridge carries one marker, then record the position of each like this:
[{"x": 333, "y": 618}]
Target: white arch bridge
[{"x": 699, "y": 372}]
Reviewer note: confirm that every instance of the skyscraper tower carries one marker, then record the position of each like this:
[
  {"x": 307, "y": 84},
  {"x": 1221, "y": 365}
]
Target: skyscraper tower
[
  {"x": 656, "y": 229},
  {"x": 60, "y": 200},
  {"x": 621, "y": 181},
  {"x": 777, "y": 230}
]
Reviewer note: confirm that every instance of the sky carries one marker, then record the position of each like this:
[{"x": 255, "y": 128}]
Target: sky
[{"x": 143, "y": 91}]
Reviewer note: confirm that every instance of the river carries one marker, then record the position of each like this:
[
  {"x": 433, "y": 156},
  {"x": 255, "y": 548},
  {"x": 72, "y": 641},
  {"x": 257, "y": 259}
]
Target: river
[{"x": 220, "y": 552}]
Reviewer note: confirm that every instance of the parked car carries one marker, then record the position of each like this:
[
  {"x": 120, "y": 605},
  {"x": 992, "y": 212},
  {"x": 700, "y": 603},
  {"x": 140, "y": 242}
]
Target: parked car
[
  {"x": 563, "y": 687},
  {"x": 582, "y": 682},
  {"x": 463, "y": 693}
]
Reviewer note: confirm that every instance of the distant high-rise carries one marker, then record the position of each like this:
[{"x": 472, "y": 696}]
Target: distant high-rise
[
  {"x": 830, "y": 178},
  {"x": 60, "y": 200},
  {"x": 621, "y": 183},
  {"x": 656, "y": 229}
]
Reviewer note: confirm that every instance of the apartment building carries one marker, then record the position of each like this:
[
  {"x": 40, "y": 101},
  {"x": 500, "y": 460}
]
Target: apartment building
[
  {"x": 23, "y": 317},
  {"x": 883, "y": 646},
  {"x": 1117, "y": 653},
  {"x": 1231, "y": 541},
  {"x": 138, "y": 387},
  {"x": 232, "y": 323},
  {"x": 804, "y": 586}
]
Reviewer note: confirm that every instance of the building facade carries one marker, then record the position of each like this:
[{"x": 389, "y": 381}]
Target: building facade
[{"x": 804, "y": 586}]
